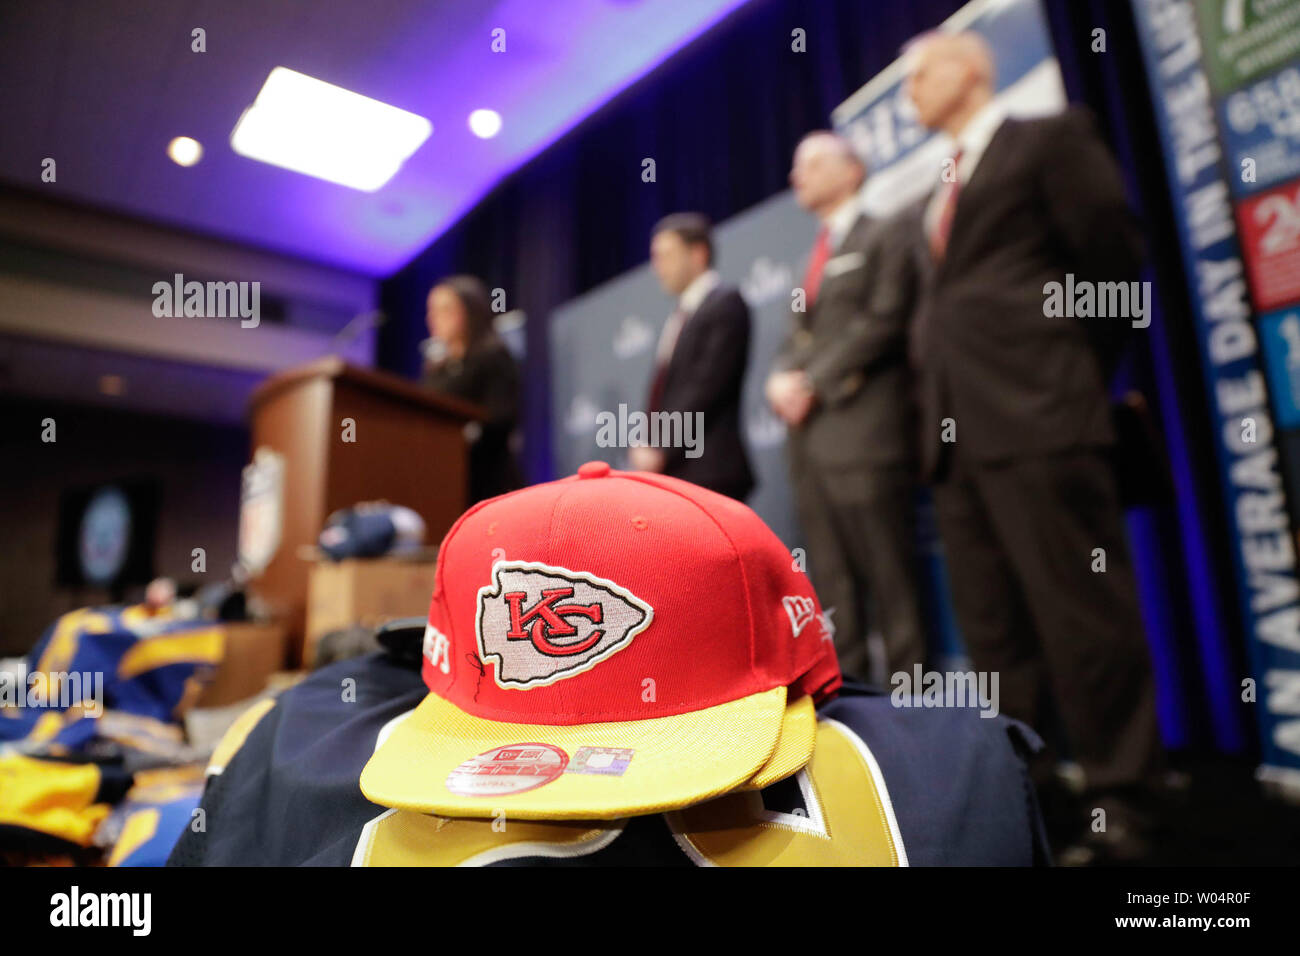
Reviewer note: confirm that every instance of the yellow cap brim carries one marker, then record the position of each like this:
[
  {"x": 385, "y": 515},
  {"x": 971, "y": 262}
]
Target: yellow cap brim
[
  {"x": 674, "y": 761},
  {"x": 794, "y": 748}
]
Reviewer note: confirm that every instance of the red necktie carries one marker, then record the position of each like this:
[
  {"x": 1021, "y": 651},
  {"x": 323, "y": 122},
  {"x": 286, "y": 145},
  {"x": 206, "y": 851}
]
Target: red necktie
[
  {"x": 943, "y": 225},
  {"x": 657, "y": 388},
  {"x": 662, "y": 357},
  {"x": 821, "y": 251}
]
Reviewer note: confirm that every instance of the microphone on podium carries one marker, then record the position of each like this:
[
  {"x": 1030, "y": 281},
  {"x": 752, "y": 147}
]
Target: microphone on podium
[
  {"x": 359, "y": 323},
  {"x": 433, "y": 350}
]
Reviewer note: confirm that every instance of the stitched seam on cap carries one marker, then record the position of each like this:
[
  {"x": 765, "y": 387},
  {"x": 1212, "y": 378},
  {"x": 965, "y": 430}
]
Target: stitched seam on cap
[
  {"x": 550, "y": 535},
  {"x": 744, "y": 574},
  {"x": 438, "y": 590},
  {"x": 437, "y": 574}
]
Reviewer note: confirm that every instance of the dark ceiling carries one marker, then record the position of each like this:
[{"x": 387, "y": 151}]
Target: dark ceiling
[{"x": 101, "y": 87}]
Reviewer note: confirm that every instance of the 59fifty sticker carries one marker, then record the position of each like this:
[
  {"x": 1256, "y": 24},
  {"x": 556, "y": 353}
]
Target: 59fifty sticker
[
  {"x": 542, "y": 623},
  {"x": 505, "y": 770}
]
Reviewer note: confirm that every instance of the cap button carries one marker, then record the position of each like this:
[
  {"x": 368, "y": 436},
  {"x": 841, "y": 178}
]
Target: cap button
[{"x": 594, "y": 469}]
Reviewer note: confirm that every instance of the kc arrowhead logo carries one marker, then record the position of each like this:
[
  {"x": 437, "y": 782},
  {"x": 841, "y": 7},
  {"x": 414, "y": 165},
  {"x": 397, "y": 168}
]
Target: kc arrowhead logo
[{"x": 541, "y": 624}]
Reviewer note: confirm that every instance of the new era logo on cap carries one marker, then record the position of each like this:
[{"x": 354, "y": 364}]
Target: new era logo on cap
[
  {"x": 801, "y": 610},
  {"x": 542, "y": 623}
]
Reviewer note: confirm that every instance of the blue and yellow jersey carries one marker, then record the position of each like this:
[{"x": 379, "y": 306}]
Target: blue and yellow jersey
[
  {"x": 159, "y": 806},
  {"x": 139, "y": 662},
  {"x": 48, "y": 804},
  {"x": 105, "y": 688},
  {"x": 51, "y": 805},
  {"x": 885, "y": 787}
]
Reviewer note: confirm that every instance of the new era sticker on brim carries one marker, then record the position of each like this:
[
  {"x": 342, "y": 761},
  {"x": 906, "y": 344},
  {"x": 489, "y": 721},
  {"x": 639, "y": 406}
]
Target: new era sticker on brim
[{"x": 510, "y": 769}]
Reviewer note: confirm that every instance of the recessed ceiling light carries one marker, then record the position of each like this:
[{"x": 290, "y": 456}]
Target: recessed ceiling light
[
  {"x": 184, "y": 151},
  {"x": 485, "y": 123},
  {"x": 322, "y": 130}
]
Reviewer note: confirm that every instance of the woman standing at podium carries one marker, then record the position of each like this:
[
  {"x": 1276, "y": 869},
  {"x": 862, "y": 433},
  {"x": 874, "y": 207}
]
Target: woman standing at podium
[{"x": 467, "y": 359}]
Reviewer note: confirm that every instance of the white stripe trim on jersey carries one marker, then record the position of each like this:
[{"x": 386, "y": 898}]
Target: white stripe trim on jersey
[
  {"x": 879, "y": 779},
  {"x": 362, "y": 853},
  {"x": 686, "y": 846},
  {"x": 814, "y": 824},
  {"x": 512, "y": 851},
  {"x": 516, "y": 851}
]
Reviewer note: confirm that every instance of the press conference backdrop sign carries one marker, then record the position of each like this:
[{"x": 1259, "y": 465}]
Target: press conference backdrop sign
[
  {"x": 904, "y": 158},
  {"x": 1225, "y": 81}
]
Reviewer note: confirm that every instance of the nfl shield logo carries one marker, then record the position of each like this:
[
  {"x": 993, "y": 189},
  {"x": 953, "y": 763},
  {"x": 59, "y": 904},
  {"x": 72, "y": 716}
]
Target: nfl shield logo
[{"x": 261, "y": 511}]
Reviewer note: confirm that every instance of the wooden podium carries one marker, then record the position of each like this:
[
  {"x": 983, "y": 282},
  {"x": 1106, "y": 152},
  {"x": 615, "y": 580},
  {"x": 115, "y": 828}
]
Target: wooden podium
[{"x": 346, "y": 435}]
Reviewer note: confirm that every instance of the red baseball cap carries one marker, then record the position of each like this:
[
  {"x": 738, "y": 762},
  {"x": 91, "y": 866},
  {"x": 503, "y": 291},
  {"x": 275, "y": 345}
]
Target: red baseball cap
[{"x": 608, "y": 645}]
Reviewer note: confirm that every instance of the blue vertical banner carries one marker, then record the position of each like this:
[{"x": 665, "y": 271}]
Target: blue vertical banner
[{"x": 1226, "y": 96}]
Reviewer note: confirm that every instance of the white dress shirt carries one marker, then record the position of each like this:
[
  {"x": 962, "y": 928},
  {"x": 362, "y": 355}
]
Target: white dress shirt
[
  {"x": 692, "y": 298},
  {"x": 839, "y": 222},
  {"x": 973, "y": 139}
]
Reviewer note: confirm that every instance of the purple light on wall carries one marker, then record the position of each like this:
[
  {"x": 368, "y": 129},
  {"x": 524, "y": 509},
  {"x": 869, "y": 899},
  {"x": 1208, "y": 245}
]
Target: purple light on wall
[
  {"x": 555, "y": 70},
  {"x": 108, "y": 86}
]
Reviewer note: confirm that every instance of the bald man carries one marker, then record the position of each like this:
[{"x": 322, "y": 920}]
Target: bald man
[
  {"x": 841, "y": 385},
  {"x": 1016, "y": 421}
]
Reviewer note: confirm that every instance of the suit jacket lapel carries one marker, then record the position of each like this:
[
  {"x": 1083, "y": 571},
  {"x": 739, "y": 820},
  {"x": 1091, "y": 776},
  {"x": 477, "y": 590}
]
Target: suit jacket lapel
[
  {"x": 851, "y": 238},
  {"x": 920, "y": 242},
  {"x": 851, "y": 243},
  {"x": 981, "y": 171},
  {"x": 987, "y": 159},
  {"x": 686, "y": 332}
]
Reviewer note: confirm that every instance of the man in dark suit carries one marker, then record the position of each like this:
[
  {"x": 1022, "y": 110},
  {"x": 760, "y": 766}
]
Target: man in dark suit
[
  {"x": 841, "y": 385},
  {"x": 700, "y": 360},
  {"x": 1016, "y": 421}
]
